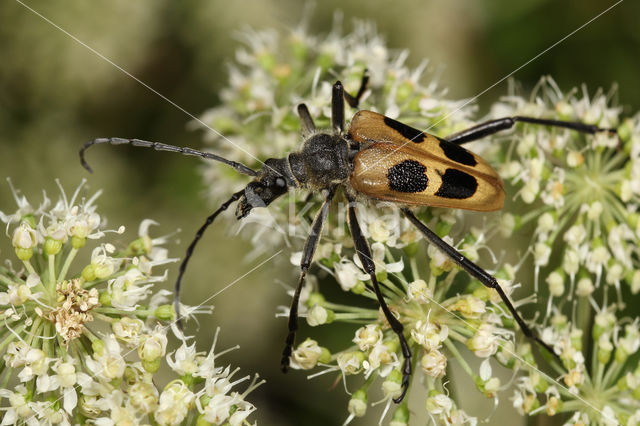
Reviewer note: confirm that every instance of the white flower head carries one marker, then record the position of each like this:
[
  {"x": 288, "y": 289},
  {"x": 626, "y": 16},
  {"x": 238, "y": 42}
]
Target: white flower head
[
  {"x": 368, "y": 336},
  {"x": 429, "y": 335},
  {"x": 185, "y": 359},
  {"x": 174, "y": 403},
  {"x": 306, "y": 355},
  {"x": 484, "y": 343},
  {"x": 434, "y": 363}
]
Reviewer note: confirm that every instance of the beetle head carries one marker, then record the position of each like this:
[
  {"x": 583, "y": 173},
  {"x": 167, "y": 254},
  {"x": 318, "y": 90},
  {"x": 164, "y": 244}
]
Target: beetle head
[{"x": 272, "y": 181}]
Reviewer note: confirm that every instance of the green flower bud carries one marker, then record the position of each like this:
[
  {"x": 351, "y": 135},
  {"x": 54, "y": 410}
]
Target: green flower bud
[
  {"x": 105, "y": 298},
  {"x": 78, "y": 242},
  {"x": 151, "y": 366},
  {"x": 604, "y": 355},
  {"x": 137, "y": 247},
  {"x": 130, "y": 376},
  {"x": 443, "y": 228},
  {"x": 392, "y": 385},
  {"x": 539, "y": 383},
  {"x": 165, "y": 313},
  {"x": 315, "y": 298},
  {"x": 88, "y": 273},
  {"x": 359, "y": 288},
  {"x": 51, "y": 246},
  {"x": 358, "y": 403},
  {"x": 98, "y": 347},
  {"x": 621, "y": 355},
  {"x": 188, "y": 379},
  {"x": 411, "y": 249},
  {"x": 401, "y": 415},
  {"x": 24, "y": 254},
  {"x": 325, "y": 355}
]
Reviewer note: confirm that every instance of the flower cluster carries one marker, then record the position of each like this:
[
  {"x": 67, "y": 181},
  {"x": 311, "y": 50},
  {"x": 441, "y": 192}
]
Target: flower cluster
[
  {"x": 82, "y": 343},
  {"x": 605, "y": 390},
  {"x": 582, "y": 189},
  {"x": 439, "y": 307},
  {"x": 573, "y": 195},
  {"x": 582, "y": 197}
]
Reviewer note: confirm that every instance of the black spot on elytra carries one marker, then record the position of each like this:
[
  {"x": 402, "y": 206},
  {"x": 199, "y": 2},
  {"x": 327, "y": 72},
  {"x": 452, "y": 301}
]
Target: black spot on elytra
[
  {"x": 408, "y": 176},
  {"x": 457, "y": 153},
  {"x": 457, "y": 184},
  {"x": 414, "y": 135}
]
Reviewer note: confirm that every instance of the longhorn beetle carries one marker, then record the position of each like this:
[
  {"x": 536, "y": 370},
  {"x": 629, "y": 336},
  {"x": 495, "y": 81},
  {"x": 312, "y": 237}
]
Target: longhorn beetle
[{"x": 382, "y": 159}]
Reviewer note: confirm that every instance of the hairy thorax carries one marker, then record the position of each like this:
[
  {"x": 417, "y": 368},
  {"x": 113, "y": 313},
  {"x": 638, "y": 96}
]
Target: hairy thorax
[{"x": 322, "y": 161}]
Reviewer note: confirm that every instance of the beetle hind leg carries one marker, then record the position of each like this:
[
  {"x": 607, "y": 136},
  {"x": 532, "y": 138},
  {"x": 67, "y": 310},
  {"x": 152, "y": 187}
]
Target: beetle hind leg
[
  {"x": 478, "y": 273},
  {"x": 364, "y": 253}
]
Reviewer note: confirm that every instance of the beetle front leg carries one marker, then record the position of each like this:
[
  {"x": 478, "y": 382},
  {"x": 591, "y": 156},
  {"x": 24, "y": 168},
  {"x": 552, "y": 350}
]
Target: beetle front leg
[
  {"x": 354, "y": 101},
  {"x": 364, "y": 253},
  {"x": 339, "y": 95},
  {"x": 308, "y": 126},
  {"x": 307, "y": 257},
  {"x": 337, "y": 107},
  {"x": 192, "y": 246}
]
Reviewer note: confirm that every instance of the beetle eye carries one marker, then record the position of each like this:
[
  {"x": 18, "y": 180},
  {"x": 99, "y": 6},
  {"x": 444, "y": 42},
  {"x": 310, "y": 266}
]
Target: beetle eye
[{"x": 280, "y": 182}]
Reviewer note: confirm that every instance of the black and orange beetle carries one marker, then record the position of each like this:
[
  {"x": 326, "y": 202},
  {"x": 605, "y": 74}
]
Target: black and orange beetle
[{"x": 382, "y": 159}]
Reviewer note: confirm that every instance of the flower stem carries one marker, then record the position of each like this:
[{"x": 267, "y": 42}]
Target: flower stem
[
  {"x": 11, "y": 336},
  {"x": 67, "y": 264},
  {"x": 29, "y": 267},
  {"x": 449, "y": 344},
  {"x": 52, "y": 274},
  {"x": 6, "y": 280}
]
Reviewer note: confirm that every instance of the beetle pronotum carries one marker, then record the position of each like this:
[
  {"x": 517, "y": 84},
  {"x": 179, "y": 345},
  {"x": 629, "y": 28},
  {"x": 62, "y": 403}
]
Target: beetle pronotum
[{"x": 382, "y": 159}]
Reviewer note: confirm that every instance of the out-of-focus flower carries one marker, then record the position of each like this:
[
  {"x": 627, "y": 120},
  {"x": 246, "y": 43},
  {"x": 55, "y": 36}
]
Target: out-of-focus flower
[{"x": 72, "y": 332}]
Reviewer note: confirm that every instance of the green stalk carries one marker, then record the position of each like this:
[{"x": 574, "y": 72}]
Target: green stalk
[
  {"x": 463, "y": 363},
  {"x": 27, "y": 264},
  {"x": 67, "y": 264},
  {"x": 52, "y": 274}
]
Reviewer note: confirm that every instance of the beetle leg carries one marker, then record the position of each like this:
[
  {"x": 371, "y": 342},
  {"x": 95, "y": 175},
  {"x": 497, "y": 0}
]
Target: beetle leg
[
  {"x": 307, "y": 256},
  {"x": 191, "y": 248},
  {"x": 494, "y": 126},
  {"x": 308, "y": 126},
  {"x": 339, "y": 95},
  {"x": 477, "y": 272},
  {"x": 353, "y": 101},
  {"x": 364, "y": 253},
  {"x": 337, "y": 107}
]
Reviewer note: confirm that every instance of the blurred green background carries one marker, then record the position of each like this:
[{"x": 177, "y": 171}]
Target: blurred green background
[{"x": 55, "y": 94}]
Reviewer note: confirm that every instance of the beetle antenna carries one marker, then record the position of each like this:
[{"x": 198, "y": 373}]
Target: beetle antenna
[
  {"x": 190, "y": 249},
  {"x": 163, "y": 147}
]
